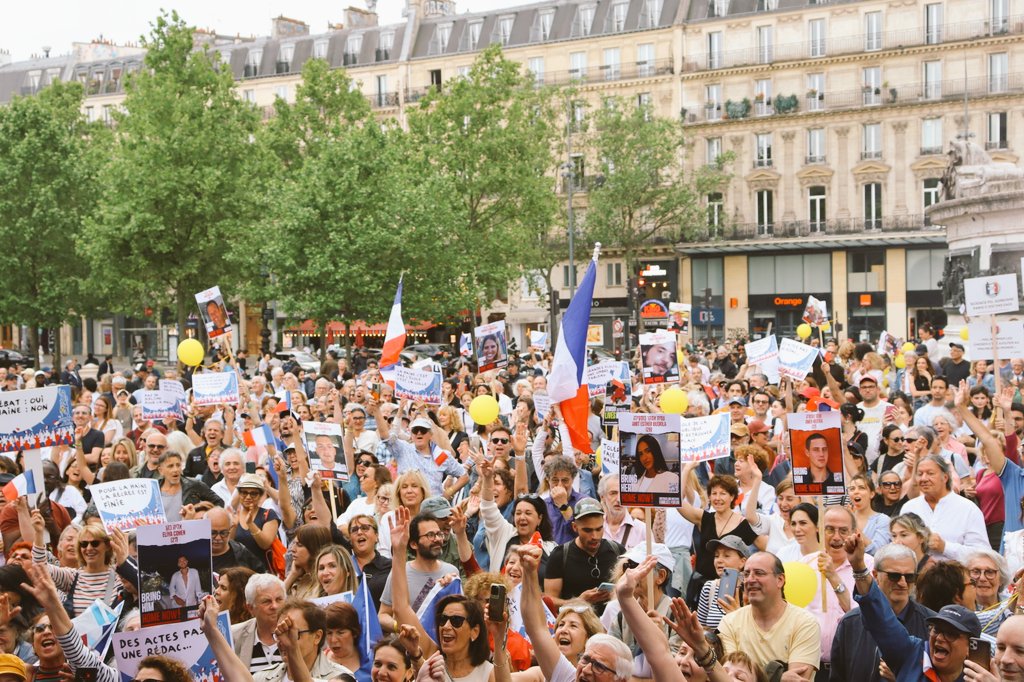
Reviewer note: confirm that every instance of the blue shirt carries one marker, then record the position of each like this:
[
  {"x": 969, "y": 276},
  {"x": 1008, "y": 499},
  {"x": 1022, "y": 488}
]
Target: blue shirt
[
  {"x": 1012, "y": 478},
  {"x": 561, "y": 530},
  {"x": 434, "y": 467}
]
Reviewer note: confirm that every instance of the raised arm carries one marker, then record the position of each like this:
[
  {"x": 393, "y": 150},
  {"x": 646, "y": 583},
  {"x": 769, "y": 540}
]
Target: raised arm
[
  {"x": 320, "y": 507},
  {"x": 231, "y": 667},
  {"x": 400, "y": 603},
  {"x": 689, "y": 512},
  {"x": 532, "y": 609},
  {"x": 284, "y": 493}
]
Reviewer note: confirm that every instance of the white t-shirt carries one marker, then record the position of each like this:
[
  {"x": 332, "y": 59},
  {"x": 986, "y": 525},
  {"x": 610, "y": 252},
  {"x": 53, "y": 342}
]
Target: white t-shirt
[{"x": 872, "y": 425}]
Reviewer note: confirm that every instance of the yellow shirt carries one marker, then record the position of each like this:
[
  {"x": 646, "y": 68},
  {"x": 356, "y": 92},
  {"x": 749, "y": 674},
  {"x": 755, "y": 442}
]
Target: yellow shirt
[{"x": 795, "y": 638}]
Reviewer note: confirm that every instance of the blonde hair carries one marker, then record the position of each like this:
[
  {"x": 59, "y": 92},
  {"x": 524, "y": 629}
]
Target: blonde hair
[
  {"x": 414, "y": 476},
  {"x": 454, "y": 418}
]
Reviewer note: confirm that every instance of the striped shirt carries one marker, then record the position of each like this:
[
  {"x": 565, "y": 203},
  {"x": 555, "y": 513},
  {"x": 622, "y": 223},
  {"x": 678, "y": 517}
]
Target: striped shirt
[{"x": 90, "y": 587}]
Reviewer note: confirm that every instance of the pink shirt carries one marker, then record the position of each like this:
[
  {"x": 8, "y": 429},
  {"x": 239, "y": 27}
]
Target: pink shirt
[{"x": 828, "y": 620}]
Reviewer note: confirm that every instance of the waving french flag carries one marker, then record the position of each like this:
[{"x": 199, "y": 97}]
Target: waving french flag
[
  {"x": 565, "y": 382},
  {"x": 394, "y": 339}
]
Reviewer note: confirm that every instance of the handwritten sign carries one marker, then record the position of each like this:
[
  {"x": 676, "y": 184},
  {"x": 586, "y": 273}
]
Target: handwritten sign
[
  {"x": 609, "y": 457},
  {"x": 129, "y": 503},
  {"x": 1009, "y": 339},
  {"x": 650, "y": 473},
  {"x": 35, "y": 418},
  {"x": 418, "y": 385},
  {"x": 215, "y": 388},
  {"x": 764, "y": 354},
  {"x": 159, "y": 404},
  {"x": 796, "y": 359},
  {"x": 704, "y": 438}
]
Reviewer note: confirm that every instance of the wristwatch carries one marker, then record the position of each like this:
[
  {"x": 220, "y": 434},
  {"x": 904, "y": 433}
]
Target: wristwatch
[
  {"x": 564, "y": 507},
  {"x": 839, "y": 589}
]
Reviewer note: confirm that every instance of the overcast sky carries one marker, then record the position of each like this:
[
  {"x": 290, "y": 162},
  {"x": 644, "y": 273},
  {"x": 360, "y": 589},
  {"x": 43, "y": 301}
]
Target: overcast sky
[{"x": 25, "y": 27}]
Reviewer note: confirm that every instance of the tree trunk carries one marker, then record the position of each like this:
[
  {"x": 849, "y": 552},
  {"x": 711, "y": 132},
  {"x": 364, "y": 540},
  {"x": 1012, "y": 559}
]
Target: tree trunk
[
  {"x": 348, "y": 346},
  {"x": 33, "y": 345},
  {"x": 57, "y": 360},
  {"x": 552, "y": 313},
  {"x": 180, "y": 316},
  {"x": 323, "y": 341}
]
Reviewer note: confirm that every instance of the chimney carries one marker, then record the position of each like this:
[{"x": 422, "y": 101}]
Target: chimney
[
  {"x": 5, "y": 57},
  {"x": 359, "y": 18},
  {"x": 283, "y": 27}
]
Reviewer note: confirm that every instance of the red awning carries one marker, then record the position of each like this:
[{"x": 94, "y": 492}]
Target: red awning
[{"x": 308, "y": 328}]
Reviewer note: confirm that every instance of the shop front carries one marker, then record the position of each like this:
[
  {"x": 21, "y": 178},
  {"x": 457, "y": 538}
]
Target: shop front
[{"x": 781, "y": 313}]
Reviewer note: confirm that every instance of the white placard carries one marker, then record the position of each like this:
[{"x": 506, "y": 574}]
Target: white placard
[
  {"x": 1009, "y": 336},
  {"x": 796, "y": 359},
  {"x": 991, "y": 295}
]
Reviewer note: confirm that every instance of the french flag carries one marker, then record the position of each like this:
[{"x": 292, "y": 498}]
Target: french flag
[
  {"x": 284, "y": 406},
  {"x": 394, "y": 339},
  {"x": 565, "y": 382},
  {"x": 261, "y": 436},
  {"x": 21, "y": 485},
  {"x": 370, "y": 625},
  {"x": 465, "y": 344}
]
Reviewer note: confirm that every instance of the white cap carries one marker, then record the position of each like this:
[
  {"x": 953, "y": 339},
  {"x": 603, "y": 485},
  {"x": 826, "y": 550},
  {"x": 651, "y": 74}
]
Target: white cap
[{"x": 665, "y": 559}]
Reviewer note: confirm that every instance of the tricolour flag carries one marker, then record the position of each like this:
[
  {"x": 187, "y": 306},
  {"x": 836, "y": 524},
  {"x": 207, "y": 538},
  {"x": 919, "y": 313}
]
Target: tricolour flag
[
  {"x": 394, "y": 339},
  {"x": 565, "y": 382},
  {"x": 369, "y": 627},
  {"x": 465, "y": 344},
  {"x": 428, "y": 606},
  {"x": 21, "y": 485},
  {"x": 261, "y": 436},
  {"x": 284, "y": 406}
]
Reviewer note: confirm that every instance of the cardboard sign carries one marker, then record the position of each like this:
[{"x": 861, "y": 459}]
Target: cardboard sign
[
  {"x": 214, "y": 312},
  {"x": 764, "y": 354},
  {"x": 215, "y": 388},
  {"x": 658, "y": 357},
  {"x": 542, "y": 404},
  {"x": 323, "y": 443},
  {"x": 1009, "y": 339},
  {"x": 176, "y": 389},
  {"x": 129, "y": 503},
  {"x": 36, "y": 418},
  {"x": 650, "y": 474},
  {"x": 679, "y": 318},
  {"x": 418, "y": 385},
  {"x": 991, "y": 295},
  {"x": 704, "y": 438},
  {"x": 816, "y": 444},
  {"x": 157, "y": 405},
  {"x": 796, "y": 359},
  {"x": 609, "y": 457},
  {"x": 598, "y": 376},
  {"x": 491, "y": 347},
  {"x": 184, "y": 642},
  {"x": 175, "y": 571}
]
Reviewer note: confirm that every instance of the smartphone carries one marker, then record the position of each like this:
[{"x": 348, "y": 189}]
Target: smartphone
[
  {"x": 86, "y": 674},
  {"x": 496, "y": 603},
  {"x": 250, "y": 467},
  {"x": 979, "y": 651},
  {"x": 727, "y": 584},
  {"x": 606, "y": 587},
  {"x": 375, "y": 390}
]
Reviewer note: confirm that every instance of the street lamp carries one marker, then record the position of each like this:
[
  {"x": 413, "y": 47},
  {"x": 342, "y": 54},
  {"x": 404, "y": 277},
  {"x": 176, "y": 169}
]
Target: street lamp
[{"x": 569, "y": 175}]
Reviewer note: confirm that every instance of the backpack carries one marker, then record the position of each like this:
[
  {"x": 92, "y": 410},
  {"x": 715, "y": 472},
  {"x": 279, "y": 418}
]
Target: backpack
[{"x": 274, "y": 556}]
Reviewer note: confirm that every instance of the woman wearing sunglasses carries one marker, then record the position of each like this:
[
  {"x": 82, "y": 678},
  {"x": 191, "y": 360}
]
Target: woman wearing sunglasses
[{"x": 461, "y": 635}]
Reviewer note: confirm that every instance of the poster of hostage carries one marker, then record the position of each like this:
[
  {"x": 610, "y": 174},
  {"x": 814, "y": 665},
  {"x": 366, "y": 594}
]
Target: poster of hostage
[
  {"x": 323, "y": 443},
  {"x": 35, "y": 418},
  {"x": 650, "y": 474},
  {"x": 658, "y": 357},
  {"x": 175, "y": 571},
  {"x": 817, "y": 453}
]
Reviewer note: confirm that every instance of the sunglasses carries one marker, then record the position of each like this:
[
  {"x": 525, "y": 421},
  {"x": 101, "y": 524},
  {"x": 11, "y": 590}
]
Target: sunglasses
[
  {"x": 90, "y": 543},
  {"x": 456, "y": 621},
  {"x": 890, "y": 484},
  {"x": 363, "y": 528},
  {"x": 895, "y": 577},
  {"x": 500, "y": 441},
  {"x": 250, "y": 492},
  {"x": 898, "y": 439},
  {"x": 220, "y": 533},
  {"x": 365, "y": 463},
  {"x": 574, "y": 608},
  {"x": 41, "y": 627},
  {"x": 595, "y": 570},
  {"x": 419, "y": 431}
]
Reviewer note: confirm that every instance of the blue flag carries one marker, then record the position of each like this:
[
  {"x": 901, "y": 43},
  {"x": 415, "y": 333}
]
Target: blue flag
[
  {"x": 363, "y": 604},
  {"x": 426, "y": 610}
]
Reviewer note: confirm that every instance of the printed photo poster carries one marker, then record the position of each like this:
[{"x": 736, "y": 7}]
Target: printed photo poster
[
  {"x": 323, "y": 443},
  {"x": 650, "y": 474},
  {"x": 796, "y": 359},
  {"x": 491, "y": 346},
  {"x": 817, "y": 452},
  {"x": 599, "y": 375},
  {"x": 175, "y": 571},
  {"x": 158, "y": 405},
  {"x": 618, "y": 394},
  {"x": 418, "y": 385},
  {"x": 1009, "y": 340},
  {"x": 595, "y": 335},
  {"x": 184, "y": 642},
  {"x": 215, "y": 388},
  {"x": 679, "y": 318},
  {"x": 991, "y": 295},
  {"x": 129, "y": 503},
  {"x": 35, "y": 418},
  {"x": 704, "y": 438},
  {"x": 816, "y": 312},
  {"x": 213, "y": 312},
  {"x": 658, "y": 357},
  {"x": 764, "y": 354},
  {"x": 889, "y": 345}
]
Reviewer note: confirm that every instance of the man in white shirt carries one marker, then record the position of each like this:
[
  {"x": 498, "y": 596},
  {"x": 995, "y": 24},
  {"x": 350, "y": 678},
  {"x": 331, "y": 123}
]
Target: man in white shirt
[
  {"x": 618, "y": 524},
  {"x": 874, "y": 415},
  {"x": 924, "y": 414}
]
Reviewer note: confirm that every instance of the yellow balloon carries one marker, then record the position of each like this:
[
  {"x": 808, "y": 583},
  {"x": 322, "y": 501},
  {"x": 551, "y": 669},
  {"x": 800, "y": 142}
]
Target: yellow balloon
[
  {"x": 803, "y": 331},
  {"x": 909, "y": 347},
  {"x": 191, "y": 353},
  {"x": 963, "y": 333},
  {"x": 826, "y": 326},
  {"x": 900, "y": 362},
  {"x": 673, "y": 401},
  {"x": 801, "y": 583},
  {"x": 483, "y": 409}
]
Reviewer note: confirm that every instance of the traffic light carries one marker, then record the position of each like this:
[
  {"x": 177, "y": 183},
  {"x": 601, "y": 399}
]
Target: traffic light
[
  {"x": 707, "y": 297},
  {"x": 554, "y": 300}
]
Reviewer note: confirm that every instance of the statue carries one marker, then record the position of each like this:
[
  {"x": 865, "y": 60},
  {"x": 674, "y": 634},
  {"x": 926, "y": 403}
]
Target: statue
[{"x": 972, "y": 172}]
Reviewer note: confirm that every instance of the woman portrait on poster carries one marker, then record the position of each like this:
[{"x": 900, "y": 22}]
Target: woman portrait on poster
[
  {"x": 650, "y": 467},
  {"x": 490, "y": 350}
]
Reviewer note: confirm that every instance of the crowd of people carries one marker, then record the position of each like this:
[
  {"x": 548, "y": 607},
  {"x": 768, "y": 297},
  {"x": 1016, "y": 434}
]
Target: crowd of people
[{"x": 497, "y": 551}]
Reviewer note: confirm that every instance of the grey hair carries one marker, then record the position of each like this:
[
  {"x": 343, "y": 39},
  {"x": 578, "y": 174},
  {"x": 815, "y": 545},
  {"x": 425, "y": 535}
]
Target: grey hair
[
  {"x": 893, "y": 552},
  {"x": 919, "y": 431},
  {"x": 602, "y": 486},
  {"x": 558, "y": 464},
  {"x": 997, "y": 559},
  {"x": 699, "y": 402},
  {"x": 232, "y": 451},
  {"x": 939, "y": 461},
  {"x": 261, "y": 581},
  {"x": 945, "y": 414},
  {"x": 839, "y": 507},
  {"x": 623, "y": 656}
]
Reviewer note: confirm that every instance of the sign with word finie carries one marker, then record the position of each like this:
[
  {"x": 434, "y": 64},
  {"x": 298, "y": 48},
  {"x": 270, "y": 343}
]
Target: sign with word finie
[
  {"x": 129, "y": 503},
  {"x": 175, "y": 571},
  {"x": 796, "y": 359},
  {"x": 215, "y": 388},
  {"x": 650, "y": 473},
  {"x": 184, "y": 642},
  {"x": 418, "y": 385},
  {"x": 35, "y": 418},
  {"x": 764, "y": 354},
  {"x": 991, "y": 295}
]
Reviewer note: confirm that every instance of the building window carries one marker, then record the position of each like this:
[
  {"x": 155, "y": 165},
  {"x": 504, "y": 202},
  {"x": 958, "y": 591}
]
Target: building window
[
  {"x": 790, "y": 273},
  {"x": 579, "y": 171},
  {"x": 536, "y": 67},
  {"x": 645, "y": 59},
  {"x": 931, "y": 136},
  {"x": 545, "y": 18},
  {"x": 715, "y": 50},
  {"x": 385, "y": 45},
  {"x": 252, "y": 63},
  {"x": 716, "y": 212},
  {"x": 612, "y": 66},
  {"x": 617, "y": 19},
  {"x": 579, "y": 116},
  {"x": 249, "y": 95},
  {"x": 930, "y": 192},
  {"x": 281, "y": 92},
  {"x": 763, "y": 97},
  {"x": 933, "y": 23},
  {"x": 998, "y": 72},
  {"x": 578, "y": 66},
  {"x": 872, "y": 88},
  {"x": 873, "y": 206},
  {"x": 815, "y": 91},
  {"x": 815, "y": 145},
  {"x": 763, "y": 147},
  {"x": 816, "y": 208},
  {"x": 503, "y": 29},
  {"x": 284, "y": 58},
  {"x": 995, "y": 137},
  {"x": 865, "y": 270},
  {"x": 462, "y": 71},
  {"x": 442, "y": 33},
  {"x": 999, "y": 16},
  {"x": 474, "y": 34},
  {"x": 353, "y": 46},
  {"x": 718, "y": 8},
  {"x": 712, "y": 151},
  {"x": 644, "y": 101},
  {"x": 933, "y": 80},
  {"x": 764, "y": 200},
  {"x": 565, "y": 276},
  {"x": 650, "y": 13},
  {"x": 816, "y": 31},
  {"x": 320, "y": 49},
  {"x": 614, "y": 273},
  {"x": 765, "y": 44},
  {"x": 713, "y": 102},
  {"x": 584, "y": 20},
  {"x": 871, "y": 147},
  {"x": 872, "y": 31}
]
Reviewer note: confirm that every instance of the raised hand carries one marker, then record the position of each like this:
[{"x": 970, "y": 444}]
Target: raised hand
[
  {"x": 208, "y": 612},
  {"x": 400, "y": 531},
  {"x": 631, "y": 577},
  {"x": 685, "y": 624},
  {"x": 457, "y": 522}
]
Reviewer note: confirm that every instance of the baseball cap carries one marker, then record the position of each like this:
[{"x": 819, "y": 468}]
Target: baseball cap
[
  {"x": 12, "y": 665},
  {"x": 737, "y": 400},
  {"x": 588, "y": 506},
  {"x": 739, "y": 430},
  {"x": 963, "y": 619},
  {"x": 422, "y": 422},
  {"x": 660, "y": 550},
  {"x": 729, "y": 542},
  {"x": 757, "y": 426},
  {"x": 809, "y": 392},
  {"x": 250, "y": 481},
  {"x": 437, "y": 507},
  {"x": 953, "y": 344},
  {"x": 867, "y": 377}
]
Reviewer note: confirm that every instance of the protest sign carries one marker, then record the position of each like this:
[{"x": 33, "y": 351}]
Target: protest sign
[
  {"x": 323, "y": 443},
  {"x": 215, "y": 388},
  {"x": 609, "y": 457},
  {"x": 96, "y": 625},
  {"x": 491, "y": 347},
  {"x": 324, "y": 602},
  {"x": 816, "y": 312},
  {"x": 542, "y": 403},
  {"x": 658, "y": 357},
  {"x": 595, "y": 335},
  {"x": 650, "y": 474},
  {"x": 618, "y": 394},
  {"x": 704, "y": 438},
  {"x": 679, "y": 318},
  {"x": 175, "y": 570},
  {"x": 796, "y": 359},
  {"x": 129, "y": 503},
  {"x": 157, "y": 405},
  {"x": 213, "y": 311},
  {"x": 598, "y": 376},
  {"x": 817, "y": 452},
  {"x": 764, "y": 354},
  {"x": 889, "y": 345},
  {"x": 176, "y": 389},
  {"x": 184, "y": 642},
  {"x": 35, "y": 418},
  {"x": 991, "y": 295},
  {"x": 1009, "y": 339},
  {"x": 418, "y": 385},
  {"x": 538, "y": 340},
  {"x": 465, "y": 344}
]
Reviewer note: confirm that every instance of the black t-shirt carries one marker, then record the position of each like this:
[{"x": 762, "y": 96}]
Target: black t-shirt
[
  {"x": 575, "y": 569},
  {"x": 706, "y": 559},
  {"x": 91, "y": 440},
  {"x": 955, "y": 372},
  {"x": 377, "y": 572},
  {"x": 195, "y": 462}
]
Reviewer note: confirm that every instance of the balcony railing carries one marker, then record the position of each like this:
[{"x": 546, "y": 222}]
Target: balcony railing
[
  {"x": 762, "y": 163},
  {"x": 610, "y": 72},
  {"x": 797, "y": 229},
  {"x": 855, "y": 44},
  {"x": 996, "y": 144},
  {"x": 812, "y": 159},
  {"x": 872, "y": 154},
  {"x": 382, "y": 100},
  {"x": 932, "y": 151}
]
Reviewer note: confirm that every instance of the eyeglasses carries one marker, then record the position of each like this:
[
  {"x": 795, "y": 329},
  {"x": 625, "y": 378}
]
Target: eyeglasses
[
  {"x": 41, "y": 627},
  {"x": 898, "y": 439},
  {"x": 220, "y": 533},
  {"x": 456, "y": 621},
  {"x": 841, "y": 532},
  {"x": 250, "y": 492},
  {"x": 362, "y": 528},
  {"x": 595, "y": 570},
  {"x": 434, "y": 535},
  {"x": 155, "y": 447},
  {"x": 891, "y": 484},
  {"x": 419, "y": 431},
  {"x": 755, "y": 573},
  {"x": 598, "y": 666},
  {"x": 90, "y": 543},
  {"x": 365, "y": 463},
  {"x": 500, "y": 441},
  {"x": 528, "y": 496},
  {"x": 383, "y": 498},
  {"x": 895, "y": 577}
]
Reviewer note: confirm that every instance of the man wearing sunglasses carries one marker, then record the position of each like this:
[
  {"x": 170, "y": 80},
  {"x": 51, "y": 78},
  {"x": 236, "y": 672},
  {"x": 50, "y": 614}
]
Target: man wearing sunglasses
[
  {"x": 578, "y": 567},
  {"x": 435, "y": 462}
]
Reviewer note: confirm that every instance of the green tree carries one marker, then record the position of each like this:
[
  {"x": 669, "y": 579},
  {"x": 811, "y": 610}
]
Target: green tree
[
  {"x": 177, "y": 200},
  {"x": 49, "y": 156}
]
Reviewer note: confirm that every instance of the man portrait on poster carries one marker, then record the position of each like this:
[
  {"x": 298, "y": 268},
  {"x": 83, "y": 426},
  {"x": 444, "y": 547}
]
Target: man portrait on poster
[{"x": 185, "y": 588}]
